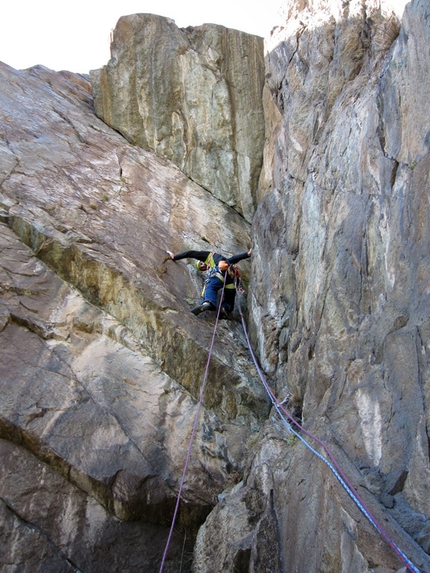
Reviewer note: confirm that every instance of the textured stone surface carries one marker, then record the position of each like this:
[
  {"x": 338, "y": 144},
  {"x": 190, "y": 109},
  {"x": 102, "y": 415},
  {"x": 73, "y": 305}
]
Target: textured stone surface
[
  {"x": 50, "y": 525},
  {"x": 278, "y": 520},
  {"x": 101, "y": 360},
  {"x": 191, "y": 95},
  {"x": 340, "y": 300}
]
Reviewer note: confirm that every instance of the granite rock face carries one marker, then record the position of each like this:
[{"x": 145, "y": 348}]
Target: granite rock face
[
  {"x": 191, "y": 95},
  {"x": 340, "y": 299},
  {"x": 102, "y": 362}
]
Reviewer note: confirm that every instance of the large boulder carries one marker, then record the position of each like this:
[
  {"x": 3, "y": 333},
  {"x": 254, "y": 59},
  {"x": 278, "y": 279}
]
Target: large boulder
[{"x": 191, "y": 95}]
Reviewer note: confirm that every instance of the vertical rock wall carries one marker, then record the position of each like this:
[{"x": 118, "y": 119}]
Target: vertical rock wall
[
  {"x": 340, "y": 296},
  {"x": 101, "y": 360},
  {"x": 191, "y": 95}
]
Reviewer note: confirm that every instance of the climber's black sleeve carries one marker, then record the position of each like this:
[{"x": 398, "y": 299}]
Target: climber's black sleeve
[
  {"x": 203, "y": 255},
  {"x": 199, "y": 255},
  {"x": 236, "y": 258}
]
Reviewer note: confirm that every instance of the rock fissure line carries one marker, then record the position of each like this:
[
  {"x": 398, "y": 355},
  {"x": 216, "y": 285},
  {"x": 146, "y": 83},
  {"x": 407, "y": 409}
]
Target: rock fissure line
[
  {"x": 40, "y": 531},
  {"x": 104, "y": 492},
  {"x": 67, "y": 261},
  {"x": 109, "y": 411},
  {"x": 16, "y": 435}
]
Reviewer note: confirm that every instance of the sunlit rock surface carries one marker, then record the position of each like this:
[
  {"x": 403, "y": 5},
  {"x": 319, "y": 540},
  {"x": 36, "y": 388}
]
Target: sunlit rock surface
[
  {"x": 192, "y": 95},
  {"x": 102, "y": 361}
]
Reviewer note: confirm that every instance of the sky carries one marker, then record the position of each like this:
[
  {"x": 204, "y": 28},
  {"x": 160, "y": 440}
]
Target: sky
[{"x": 74, "y": 35}]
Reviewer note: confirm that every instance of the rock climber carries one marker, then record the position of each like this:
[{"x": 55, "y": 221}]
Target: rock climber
[{"x": 221, "y": 269}]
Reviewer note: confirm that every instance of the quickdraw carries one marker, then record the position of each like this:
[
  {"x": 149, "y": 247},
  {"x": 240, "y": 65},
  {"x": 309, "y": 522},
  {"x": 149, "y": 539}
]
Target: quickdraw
[{"x": 237, "y": 279}]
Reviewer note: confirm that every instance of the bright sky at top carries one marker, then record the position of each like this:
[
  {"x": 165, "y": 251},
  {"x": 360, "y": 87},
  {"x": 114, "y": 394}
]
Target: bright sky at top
[{"x": 74, "y": 35}]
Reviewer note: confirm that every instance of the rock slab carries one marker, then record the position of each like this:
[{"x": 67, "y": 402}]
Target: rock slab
[{"x": 194, "y": 96}]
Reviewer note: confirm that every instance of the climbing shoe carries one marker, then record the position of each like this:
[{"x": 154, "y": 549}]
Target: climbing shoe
[{"x": 202, "y": 307}]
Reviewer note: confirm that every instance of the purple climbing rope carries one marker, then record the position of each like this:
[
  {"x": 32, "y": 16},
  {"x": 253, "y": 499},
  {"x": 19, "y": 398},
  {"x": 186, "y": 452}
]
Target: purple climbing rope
[
  {"x": 333, "y": 465},
  {"x": 193, "y": 432}
]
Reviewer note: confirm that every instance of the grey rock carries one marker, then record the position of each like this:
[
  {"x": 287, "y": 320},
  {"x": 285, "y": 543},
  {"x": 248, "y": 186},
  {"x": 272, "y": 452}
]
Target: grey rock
[
  {"x": 102, "y": 361},
  {"x": 192, "y": 95},
  {"x": 339, "y": 300}
]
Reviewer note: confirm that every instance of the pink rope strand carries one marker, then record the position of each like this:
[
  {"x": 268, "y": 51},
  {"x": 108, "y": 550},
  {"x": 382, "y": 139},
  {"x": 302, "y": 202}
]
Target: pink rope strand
[{"x": 196, "y": 419}]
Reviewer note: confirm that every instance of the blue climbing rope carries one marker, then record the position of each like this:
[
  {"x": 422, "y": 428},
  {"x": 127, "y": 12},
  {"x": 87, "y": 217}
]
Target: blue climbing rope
[{"x": 287, "y": 418}]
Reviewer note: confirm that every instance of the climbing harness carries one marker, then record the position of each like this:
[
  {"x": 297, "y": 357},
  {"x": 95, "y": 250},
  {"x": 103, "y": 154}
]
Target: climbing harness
[
  {"x": 196, "y": 419},
  {"x": 215, "y": 272},
  {"x": 287, "y": 418}
]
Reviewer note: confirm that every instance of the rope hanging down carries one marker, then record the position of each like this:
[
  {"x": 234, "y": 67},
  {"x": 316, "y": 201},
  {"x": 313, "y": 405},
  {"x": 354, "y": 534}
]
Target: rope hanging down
[
  {"x": 287, "y": 418},
  {"x": 196, "y": 419}
]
